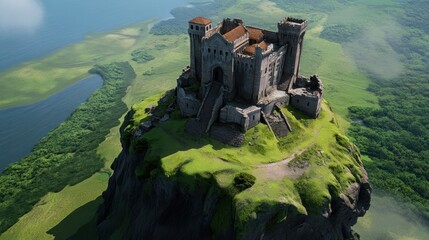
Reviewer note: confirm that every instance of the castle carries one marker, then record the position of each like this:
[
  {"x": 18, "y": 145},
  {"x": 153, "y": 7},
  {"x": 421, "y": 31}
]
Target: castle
[{"x": 240, "y": 75}]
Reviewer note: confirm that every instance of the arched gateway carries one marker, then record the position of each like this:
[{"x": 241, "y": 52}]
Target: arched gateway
[{"x": 217, "y": 75}]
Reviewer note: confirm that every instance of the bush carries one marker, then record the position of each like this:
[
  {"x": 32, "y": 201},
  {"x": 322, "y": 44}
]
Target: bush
[
  {"x": 244, "y": 181},
  {"x": 141, "y": 56},
  {"x": 341, "y": 33}
]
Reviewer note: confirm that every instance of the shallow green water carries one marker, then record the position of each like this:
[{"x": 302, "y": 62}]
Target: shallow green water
[{"x": 389, "y": 219}]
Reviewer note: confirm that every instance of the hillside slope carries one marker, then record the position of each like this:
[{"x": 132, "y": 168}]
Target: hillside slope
[{"x": 168, "y": 184}]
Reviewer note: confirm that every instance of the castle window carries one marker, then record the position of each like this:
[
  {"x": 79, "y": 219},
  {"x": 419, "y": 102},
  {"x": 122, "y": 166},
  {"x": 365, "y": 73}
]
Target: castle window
[
  {"x": 209, "y": 50},
  {"x": 226, "y": 53},
  {"x": 265, "y": 70},
  {"x": 220, "y": 52},
  {"x": 297, "y": 100},
  {"x": 253, "y": 117},
  {"x": 192, "y": 26},
  {"x": 308, "y": 104},
  {"x": 198, "y": 28},
  {"x": 214, "y": 51}
]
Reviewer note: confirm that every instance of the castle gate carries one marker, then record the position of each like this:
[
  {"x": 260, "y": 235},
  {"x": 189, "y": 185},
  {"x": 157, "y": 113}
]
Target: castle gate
[{"x": 218, "y": 75}]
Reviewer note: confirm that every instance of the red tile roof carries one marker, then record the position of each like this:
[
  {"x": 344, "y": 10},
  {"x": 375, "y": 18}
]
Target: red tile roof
[
  {"x": 200, "y": 20},
  {"x": 263, "y": 45},
  {"x": 250, "y": 50},
  {"x": 235, "y": 33},
  {"x": 255, "y": 34}
]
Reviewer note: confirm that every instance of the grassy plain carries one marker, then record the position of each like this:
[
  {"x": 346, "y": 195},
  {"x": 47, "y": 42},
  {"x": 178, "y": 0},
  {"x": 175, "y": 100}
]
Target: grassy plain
[{"x": 36, "y": 80}]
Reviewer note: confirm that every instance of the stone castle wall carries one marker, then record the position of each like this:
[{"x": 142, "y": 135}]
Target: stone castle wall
[{"x": 253, "y": 66}]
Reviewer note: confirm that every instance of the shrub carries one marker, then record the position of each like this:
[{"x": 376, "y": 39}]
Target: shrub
[
  {"x": 140, "y": 56},
  {"x": 244, "y": 181}
]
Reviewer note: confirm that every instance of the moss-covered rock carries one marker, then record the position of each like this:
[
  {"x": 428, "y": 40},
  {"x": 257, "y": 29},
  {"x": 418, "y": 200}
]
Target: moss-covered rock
[
  {"x": 244, "y": 181},
  {"x": 169, "y": 184}
]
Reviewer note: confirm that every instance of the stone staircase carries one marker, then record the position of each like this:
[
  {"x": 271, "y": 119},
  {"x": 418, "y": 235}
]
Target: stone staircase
[
  {"x": 202, "y": 123},
  {"x": 278, "y": 123}
]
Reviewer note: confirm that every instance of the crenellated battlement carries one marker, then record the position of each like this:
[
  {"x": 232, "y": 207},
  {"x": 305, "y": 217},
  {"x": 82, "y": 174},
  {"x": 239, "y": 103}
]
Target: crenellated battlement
[
  {"x": 234, "y": 63},
  {"x": 293, "y": 25}
]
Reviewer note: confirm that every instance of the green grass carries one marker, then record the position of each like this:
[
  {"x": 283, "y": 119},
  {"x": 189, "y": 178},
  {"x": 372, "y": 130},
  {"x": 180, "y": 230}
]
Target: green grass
[
  {"x": 55, "y": 207},
  {"x": 334, "y": 163}
]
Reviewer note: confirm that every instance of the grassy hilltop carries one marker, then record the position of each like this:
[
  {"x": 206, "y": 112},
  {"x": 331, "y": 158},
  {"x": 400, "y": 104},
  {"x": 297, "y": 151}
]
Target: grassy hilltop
[
  {"x": 317, "y": 145},
  {"x": 297, "y": 175}
]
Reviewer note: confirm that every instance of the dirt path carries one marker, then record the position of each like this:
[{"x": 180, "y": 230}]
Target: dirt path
[{"x": 279, "y": 170}]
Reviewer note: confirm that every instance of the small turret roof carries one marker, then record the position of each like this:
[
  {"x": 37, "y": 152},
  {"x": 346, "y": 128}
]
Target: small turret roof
[{"x": 200, "y": 20}]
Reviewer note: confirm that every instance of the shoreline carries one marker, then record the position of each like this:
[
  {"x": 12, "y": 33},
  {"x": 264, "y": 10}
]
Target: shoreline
[
  {"x": 73, "y": 68},
  {"x": 20, "y": 73},
  {"x": 19, "y": 138}
]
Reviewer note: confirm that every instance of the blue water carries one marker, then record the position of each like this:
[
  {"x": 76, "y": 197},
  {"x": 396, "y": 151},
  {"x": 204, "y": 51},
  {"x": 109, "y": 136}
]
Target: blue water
[
  {"x": 22, "y": 127},
  {"x": 32, "y": 28}
]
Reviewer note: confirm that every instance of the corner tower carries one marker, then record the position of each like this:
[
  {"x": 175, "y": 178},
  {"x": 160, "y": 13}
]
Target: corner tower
[
  {"x": 197, "y": 30},
  {"x": 291, "y": 33}
]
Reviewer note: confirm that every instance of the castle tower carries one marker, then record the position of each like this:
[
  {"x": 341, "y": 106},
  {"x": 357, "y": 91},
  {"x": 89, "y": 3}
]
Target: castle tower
[
  {"x": 291, "y": 34},
  {"x": 197, "y": 30}
]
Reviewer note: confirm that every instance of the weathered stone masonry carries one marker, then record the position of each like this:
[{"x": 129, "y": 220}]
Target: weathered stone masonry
[{"x": 238, "y": 72}]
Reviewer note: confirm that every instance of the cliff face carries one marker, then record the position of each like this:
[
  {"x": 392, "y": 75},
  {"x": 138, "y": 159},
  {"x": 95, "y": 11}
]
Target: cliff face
[{"x": 147, "y": 199}]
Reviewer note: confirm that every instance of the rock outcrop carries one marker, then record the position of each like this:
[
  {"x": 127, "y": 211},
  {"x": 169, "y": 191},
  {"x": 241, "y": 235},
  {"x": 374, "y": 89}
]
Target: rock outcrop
[
  {"x": 144, "y": 202},
  {"x": 162, "y": 209}
]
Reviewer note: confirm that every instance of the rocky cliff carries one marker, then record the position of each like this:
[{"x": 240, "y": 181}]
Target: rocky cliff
[{"x": 170, "y": 185}]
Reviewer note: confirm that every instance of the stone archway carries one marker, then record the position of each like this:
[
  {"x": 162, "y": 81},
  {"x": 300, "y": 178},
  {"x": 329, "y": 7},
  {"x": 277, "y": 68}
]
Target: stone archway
[{"x": 217, "y": 75}]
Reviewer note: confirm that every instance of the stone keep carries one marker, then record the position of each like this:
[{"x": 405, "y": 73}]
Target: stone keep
[{"x": 239, "y": 72}]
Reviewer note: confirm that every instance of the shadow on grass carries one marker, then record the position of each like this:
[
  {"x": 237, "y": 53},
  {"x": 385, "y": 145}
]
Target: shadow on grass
[
  {"x": 298, "y": 114},
  {"x": 175, "y": 138},
  {"x": 80, "y": 224}
]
